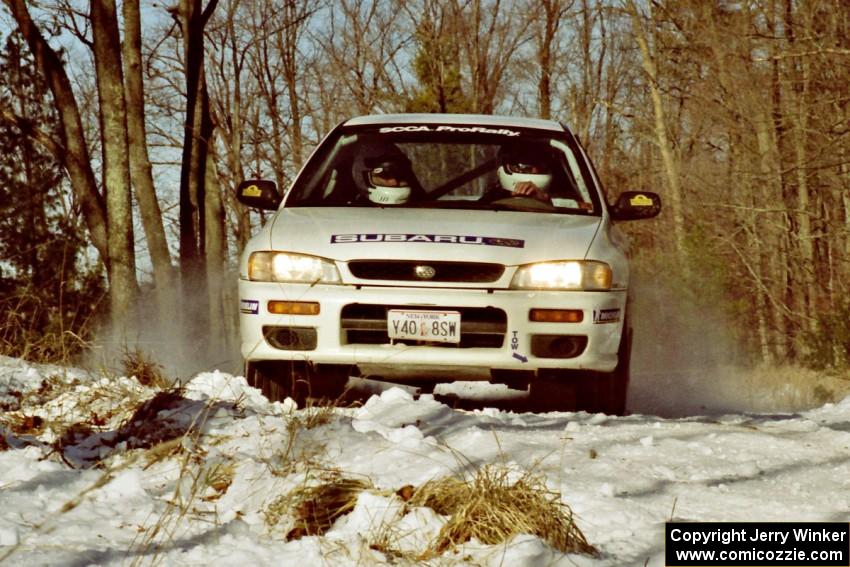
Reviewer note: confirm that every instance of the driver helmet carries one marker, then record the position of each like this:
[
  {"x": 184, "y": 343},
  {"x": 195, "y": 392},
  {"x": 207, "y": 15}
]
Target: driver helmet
[
  {"x": 527, "y": 163},
  {"x": 383, "y": 173}
]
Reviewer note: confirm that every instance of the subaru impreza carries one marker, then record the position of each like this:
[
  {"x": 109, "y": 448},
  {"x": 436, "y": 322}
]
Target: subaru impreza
[{"x": 426, "y": 248}]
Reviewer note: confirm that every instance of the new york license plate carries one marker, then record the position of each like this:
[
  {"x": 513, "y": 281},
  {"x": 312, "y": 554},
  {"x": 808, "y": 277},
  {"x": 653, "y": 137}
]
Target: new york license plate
[{"x": 440, "y": 326}]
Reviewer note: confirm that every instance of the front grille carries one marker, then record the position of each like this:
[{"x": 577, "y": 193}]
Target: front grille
[
  {"x": 405, "y": 270},
  {"x": 480, "y": 327}
]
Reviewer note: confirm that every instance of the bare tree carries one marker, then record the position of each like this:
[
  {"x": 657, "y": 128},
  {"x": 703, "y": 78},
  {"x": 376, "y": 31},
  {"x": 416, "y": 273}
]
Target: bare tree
[
  {"x": 643, "y": 38},
  {"x": 72, "y": 150},
  {"x": 548, "y": 25},
  {"x": 490, "y": 34},
  {"x": 233, "y": 94},
  {"x": 140, "y": 164},
  {"x": 192, "y": 18},
  {"x": 437, "y": 61},
  {"x": 362, "y": 42},
  {"x": 279, "y": 68},
  {"x": 116, "y": 158}
]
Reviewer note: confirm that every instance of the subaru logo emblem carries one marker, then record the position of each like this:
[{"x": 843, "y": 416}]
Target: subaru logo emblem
[{"x": 425, "y": 272}]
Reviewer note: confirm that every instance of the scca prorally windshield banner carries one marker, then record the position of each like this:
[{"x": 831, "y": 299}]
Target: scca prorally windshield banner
[
  {"x": 428, "y": 238},
  {"x": 446, "y": 128}
]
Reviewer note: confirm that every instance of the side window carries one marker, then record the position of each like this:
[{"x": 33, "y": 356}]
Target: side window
[
  {"x": 328, "y": 180},
  {"x": 593, "y": 172},
  {"x": 585, "y": 200}
]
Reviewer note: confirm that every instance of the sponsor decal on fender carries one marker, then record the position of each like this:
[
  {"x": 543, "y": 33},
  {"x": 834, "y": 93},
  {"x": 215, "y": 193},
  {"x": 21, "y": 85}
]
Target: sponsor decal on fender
[
  {"x": 249, "y": 306},
  {"x": 430, "y": 238},
  {"x": 606, "y": 315}
]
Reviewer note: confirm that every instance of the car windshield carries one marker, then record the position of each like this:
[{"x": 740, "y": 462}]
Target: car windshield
[{"x": 443, "y": 167}]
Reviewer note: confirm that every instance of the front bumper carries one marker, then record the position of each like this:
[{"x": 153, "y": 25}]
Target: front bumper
[{"x": 328, "y": 343}]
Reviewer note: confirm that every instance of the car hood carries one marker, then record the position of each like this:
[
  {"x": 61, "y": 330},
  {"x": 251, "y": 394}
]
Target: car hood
[{"x": 505, "y": 237}]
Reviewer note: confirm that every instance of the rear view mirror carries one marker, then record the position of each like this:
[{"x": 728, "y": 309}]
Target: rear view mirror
[
  {"x": 259, "y": 194},
  {"x": 635, "y": 205}
]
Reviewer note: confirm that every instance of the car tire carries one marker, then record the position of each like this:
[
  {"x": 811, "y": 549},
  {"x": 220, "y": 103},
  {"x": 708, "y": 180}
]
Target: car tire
[
  {"x": 593, "y": 392},
  {"x": 513, "y": 379},
  {"x": 615, "y": 384},
  {"x": 281, "y": 379},
  {"x": 555, "y": 390}
]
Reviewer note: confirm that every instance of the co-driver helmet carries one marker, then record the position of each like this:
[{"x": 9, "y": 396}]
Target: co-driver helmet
[{"x": 524, "y": 163}]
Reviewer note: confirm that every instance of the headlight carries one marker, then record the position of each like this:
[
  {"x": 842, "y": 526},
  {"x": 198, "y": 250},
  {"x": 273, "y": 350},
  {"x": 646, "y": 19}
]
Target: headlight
[
  {"x": 575, "y": 274},
  {"x": 289, "y": 267}
]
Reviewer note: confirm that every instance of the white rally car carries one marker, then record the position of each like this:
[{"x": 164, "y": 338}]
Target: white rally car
[{"x": 428, "y": 247}]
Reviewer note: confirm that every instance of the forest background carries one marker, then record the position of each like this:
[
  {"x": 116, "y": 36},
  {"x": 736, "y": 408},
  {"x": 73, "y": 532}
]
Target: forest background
[{"x": 125, "y": 128}]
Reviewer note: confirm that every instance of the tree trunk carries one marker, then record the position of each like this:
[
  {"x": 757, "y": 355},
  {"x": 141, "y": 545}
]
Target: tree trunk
[
  {"x": 665, "y": 146},
  {"x": 776, "y": 248},
  {"x": 289, "y": 53},
  {"x": 116, "y": 160},
  {"x": 807, "y": 294},
  {"x": 845, "y": 200},
  {"x": 198, "y": 128},
  {"x": 216, "y": 257},
  {"x": 228, "y": 115},
  {"x": 140, "y": 165},
  {"x": 552, "y": 13}
]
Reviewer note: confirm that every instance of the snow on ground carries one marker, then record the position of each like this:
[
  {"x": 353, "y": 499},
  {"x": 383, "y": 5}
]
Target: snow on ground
[{"x": 194, "y": 478}]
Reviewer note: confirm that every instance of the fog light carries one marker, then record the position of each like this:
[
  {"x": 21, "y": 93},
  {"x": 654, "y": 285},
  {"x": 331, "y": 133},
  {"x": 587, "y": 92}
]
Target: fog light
[
  {"x": 291, "y": 338},
  {"x": 556, "y": 315},
  {"x": 294, "y": 307},
  {"x": 558, "y": 346}
]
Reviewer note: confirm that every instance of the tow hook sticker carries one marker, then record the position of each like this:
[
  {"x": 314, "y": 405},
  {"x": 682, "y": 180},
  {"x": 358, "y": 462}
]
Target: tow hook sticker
[
  {"x": 249, "y": 306},
  {"x": 515, "y": 347},
  {"x": 606, "y": 315}
]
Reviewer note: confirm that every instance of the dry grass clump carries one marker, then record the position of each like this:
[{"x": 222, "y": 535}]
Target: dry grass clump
[
  {"x": 317, "y": 507},
  {"x": 312, "y": 416},
  {"x": 25, "y": 332},
  {"x": 218, "y": 478},
  {"x": 148, "y": 372},
  {"x": 492, "y": 509}
]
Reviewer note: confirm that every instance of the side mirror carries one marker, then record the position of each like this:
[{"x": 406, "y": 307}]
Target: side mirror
[
  {"x": 259, "y": 194},
  {"x": 635, "y": 205}
]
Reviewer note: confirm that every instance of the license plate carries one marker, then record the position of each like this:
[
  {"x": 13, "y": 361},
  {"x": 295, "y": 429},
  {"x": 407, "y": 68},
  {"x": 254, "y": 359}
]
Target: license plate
[{"x": 439, "y": 326}]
